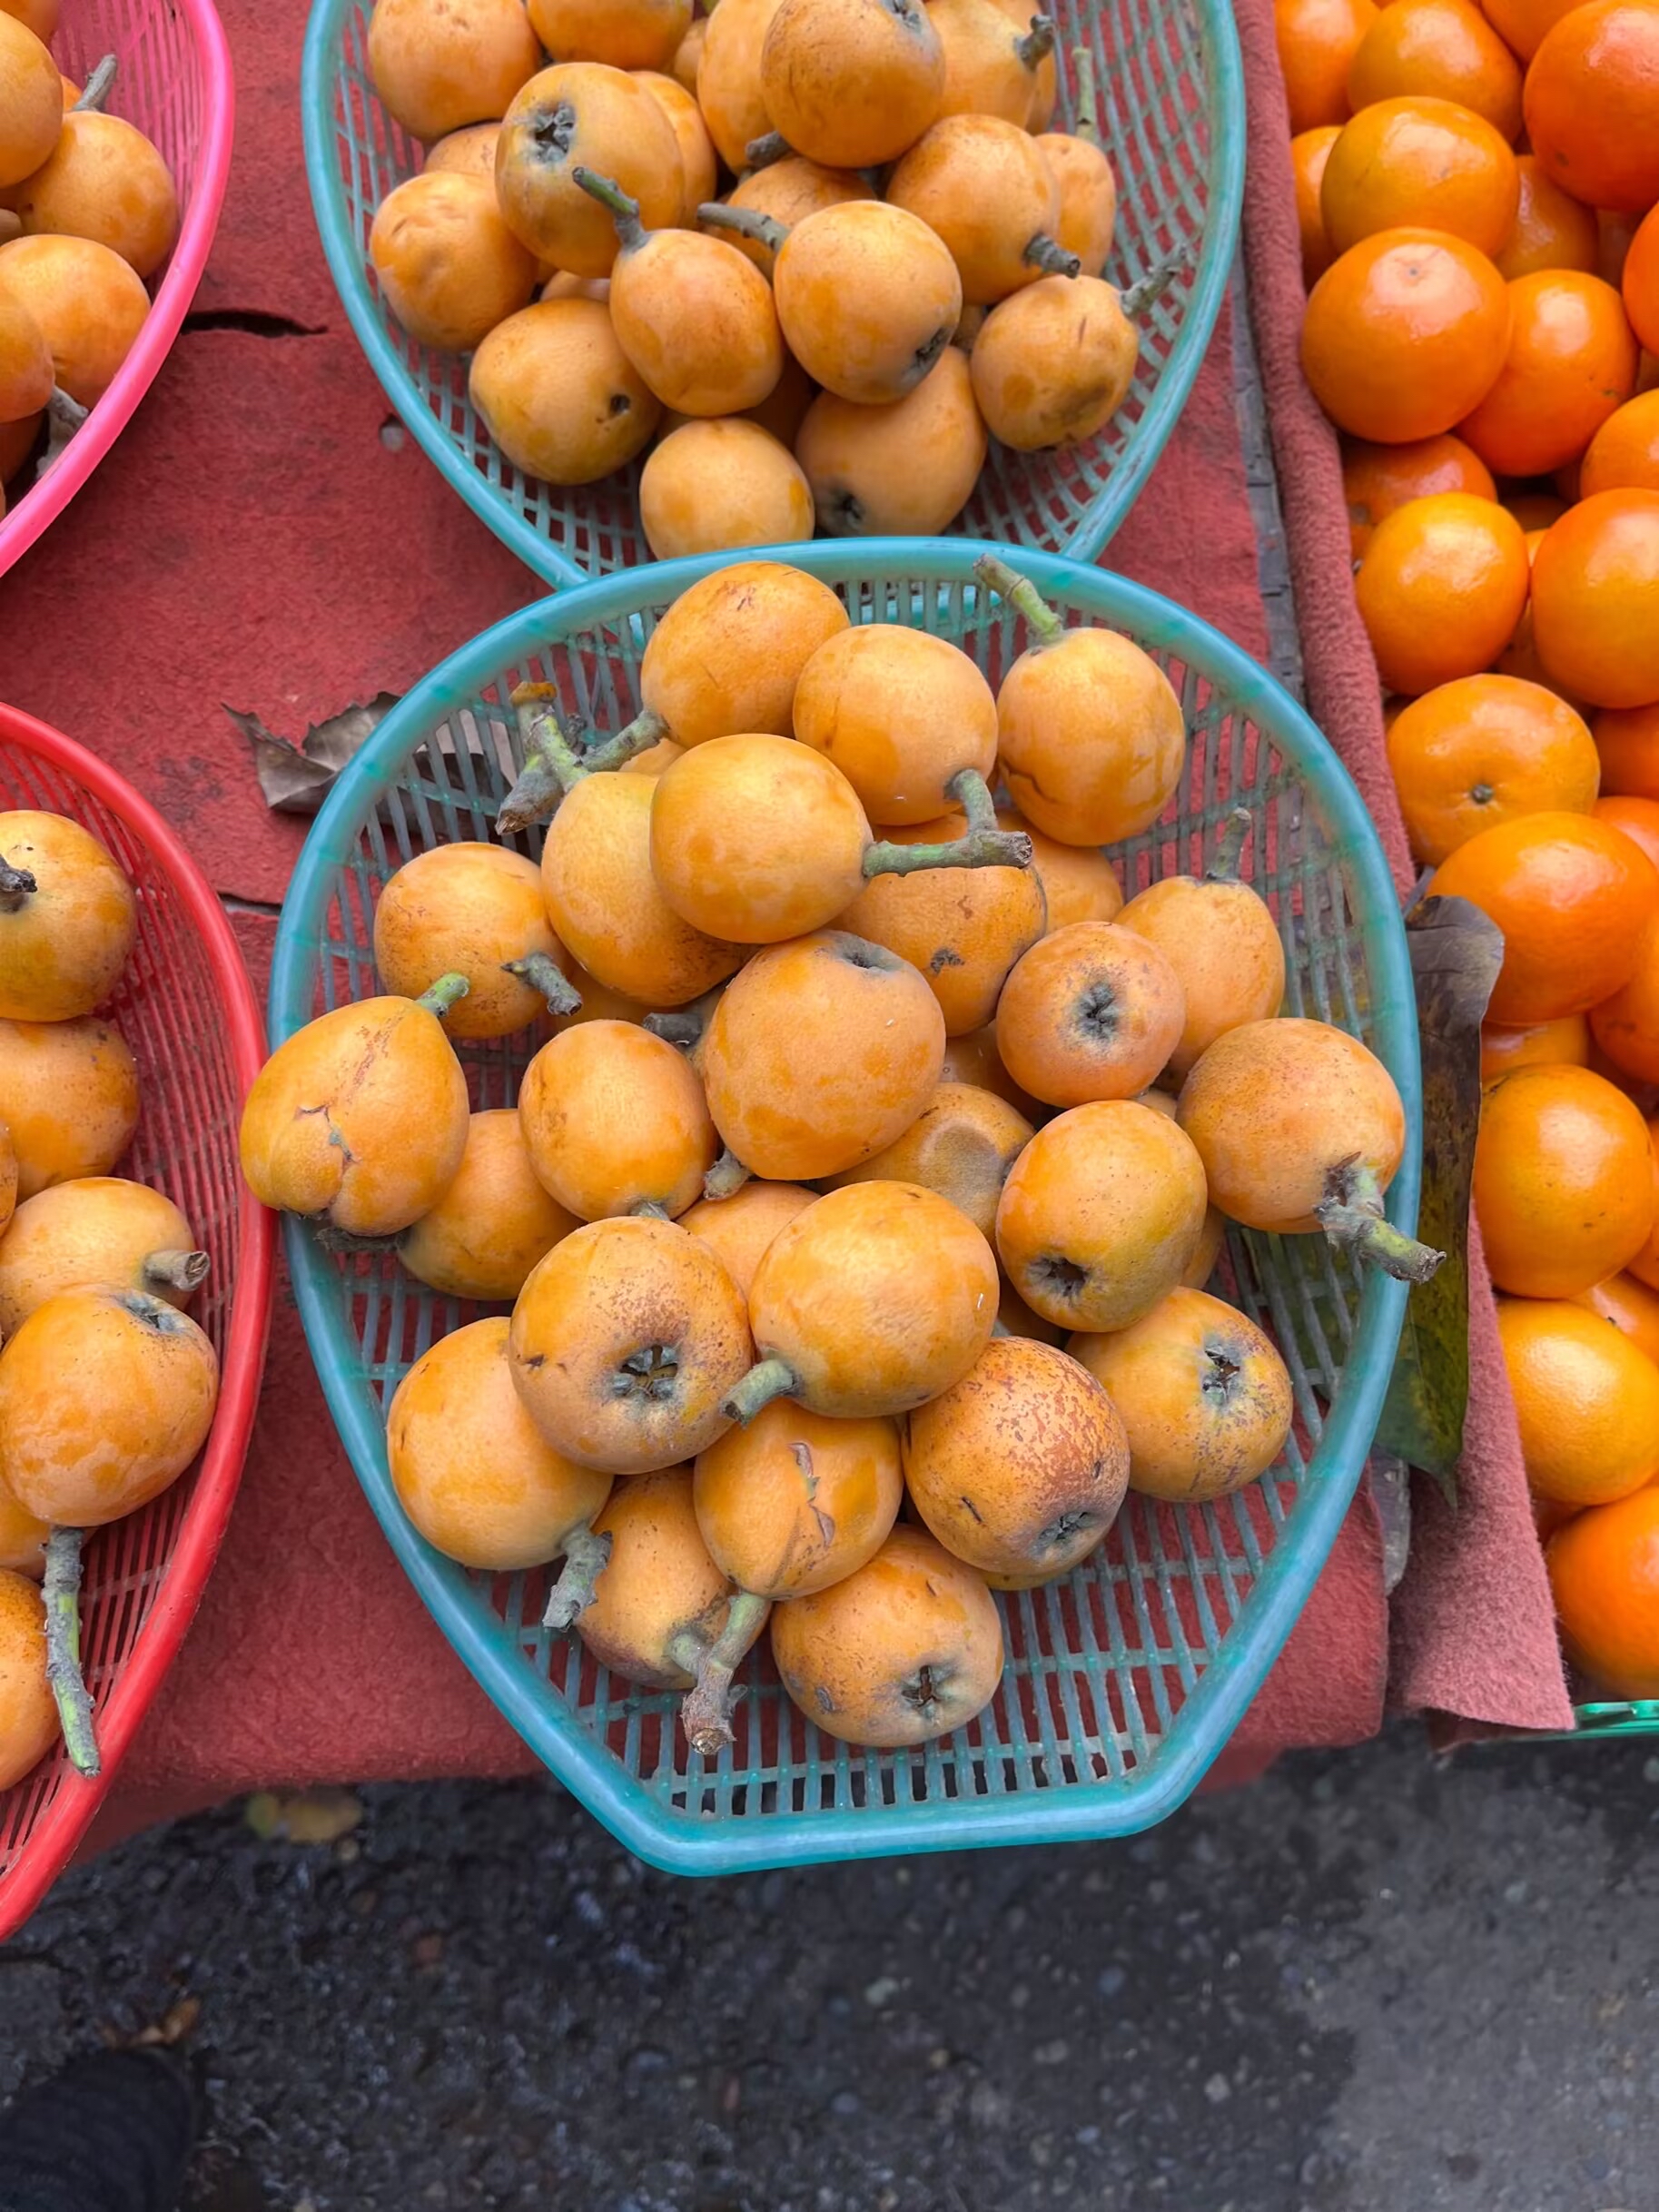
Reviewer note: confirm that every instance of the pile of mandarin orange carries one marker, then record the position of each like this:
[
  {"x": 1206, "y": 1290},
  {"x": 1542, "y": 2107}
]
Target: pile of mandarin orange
[{"x": 1478, "y": 194}]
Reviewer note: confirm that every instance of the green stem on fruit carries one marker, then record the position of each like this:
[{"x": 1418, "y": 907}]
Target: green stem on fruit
[
  {"x": 1088, "y": 123},
  {"x": 550, "y": 764},
  {"x": 587, "y": 1557},
  {"x": 1136, "y": 298},
  {"x": 765, "y": 152},
  {"x": 17, "y": 886},
  {"x": 62, "y": 1592},
  {"x": 1038, "y": 43},
  {"x": 1351, "y": 1215},
  {"x": 1049, "y": 255},
  {"x": 983, "y": 846},
  {"x": 766, "y": 1379},
  {"x": 173, "y": 1271},
  {"x": 629, "y": 229},
  {"x": 98, "y": 87},
  {"x": 1045, "y": 625},
  {"x": 447, "y": 992},
  {"x": 543, "y": 974},
  {"x": 1224, "y": 862},
  {"x": 749, "y": 221},
  {"x": 726, "y": 1177},
  {"x": 649, "y": 1210},
  {"x": 706, "y": 1712}
]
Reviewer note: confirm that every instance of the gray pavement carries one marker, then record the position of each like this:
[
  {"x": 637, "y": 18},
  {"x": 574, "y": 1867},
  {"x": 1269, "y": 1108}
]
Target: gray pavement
[{"x": 1371, "y": 1983}]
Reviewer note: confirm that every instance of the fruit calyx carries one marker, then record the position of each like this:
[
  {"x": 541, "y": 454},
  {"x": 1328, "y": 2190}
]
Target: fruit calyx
[
  {"x": 981, "y": 845},
  {"x": 1351, "y": 1215}
]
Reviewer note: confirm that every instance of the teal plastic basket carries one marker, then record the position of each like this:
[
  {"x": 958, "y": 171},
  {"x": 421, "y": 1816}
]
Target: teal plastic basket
[
  {"x": 1172, "y": 113},
  {"x": 1124, "y": 1680}
]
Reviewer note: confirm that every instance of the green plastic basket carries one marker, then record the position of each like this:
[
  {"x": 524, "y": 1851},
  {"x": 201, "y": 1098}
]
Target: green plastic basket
[
  {"x": 1171, "y": 112},
  {"x": 1124, "y": 1681}
]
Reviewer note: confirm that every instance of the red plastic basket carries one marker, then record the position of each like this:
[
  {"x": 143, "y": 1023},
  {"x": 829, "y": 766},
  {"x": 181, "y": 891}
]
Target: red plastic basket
[
  {"x": 174, "y": 81},
  {"x": 188, "y": 1011}
]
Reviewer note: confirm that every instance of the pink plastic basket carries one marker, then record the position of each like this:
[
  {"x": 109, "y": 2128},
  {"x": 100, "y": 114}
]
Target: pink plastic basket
[
  {"x": 175, "y": 83},
  {"x": 187, "y": 1008}
]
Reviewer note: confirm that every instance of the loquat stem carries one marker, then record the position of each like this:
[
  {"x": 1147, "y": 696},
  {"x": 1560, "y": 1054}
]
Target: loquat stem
[
  {"x": 1088, "y": 123},
  {"x": 749, "y": 221},
  {"x": 706, "y": 1712},
  {"x": 726, "y": 1177},
  {"x": 1351, "y": 1215},
  {"x": 1049, "y": 255},
  {"x": 62, "y": 1592},
  {"x": 766, "y": 1379},
  {"x": 447, "y": 992},
  {"x": 17, "y": 886},
  {"x": 1224, "y": 863},
  {"x": 1136, "y": 298},
  {"x": 649, "y": 1210},
  {"x": 98, "y": 87},
  {"x": 983, "y": 845},
  {"x": 629, "y": 229},
  {"x": 765, "y": 152},
  {"x": 685, "y": 1026},
  {"x": 587, "y": 1557},
  {"x": 543, "y": 974},
  {"x": 171, "y": 1270},
  {"x": 549, "y": 765},
  {"x": 1023, "y": 595},
  {"x": 1038, "y": 43}
]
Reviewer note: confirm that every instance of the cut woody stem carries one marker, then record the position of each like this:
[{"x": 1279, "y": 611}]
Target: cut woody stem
[
  {"x": 766, "y": 1379},
  {"x": 1136, "y": 298},
  {"x": 1088, "y": 123},
  {"x": 982, "y": 847},
  {"x": 62, "y": 1592},
  {"x": 179, "y": 1272},
  {"x": 1351, "y": 1215},
  {"x": 1224, "y": 862},
  {"x": 554, "y": 766},
  {"x": 1038, "y": 43},
  {"x": 99, "y": 86},
  {"x": 765, "y": 152},
  {"x": 543, "y": 974},
  {"x": 685, "y": 1026},
  {"x": 726, "y": 1177},
  {"x": 629, "y": 229},
  {"x": 439, "y": 997},
  {"x": 17, "y": 886},
  {"x": 1045, "y": 625},
  {"x": 705, "y": 1712},
  {"x": 766, "y": 229},
  {"x": 586, "y": 1558},
  {"x": 1049, "y": 255}
]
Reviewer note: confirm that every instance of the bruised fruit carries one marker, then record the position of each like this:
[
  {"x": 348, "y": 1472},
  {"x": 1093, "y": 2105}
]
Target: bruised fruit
[
  {"x": 797, "y": 1501},
  {"x": 359, "y": 1119},
  {"x": 697, "y": 157},
  {"x": 738, "y": 1229},
  {"x": 625, "y": 33},
  {"x": 1020, "y": 1468},
  {"x": 489, "y": 1227},
  {"x": 904, "y": 1651},
  {"x": 1101, "y": 1214},
  {"x": 67, "y": 919},
  {"x": 471, "y": 1468},
  {"x": 98, "y": 1232},
  {"x": 1054, "y": 364},
  {"x": 962, "y": 1144},
  {"x": 447, "y": 265},
  {"x": 473, "y": 909},
  {"x": 626, "y": 1341},
  {"x": 1204, "y": 1395},
  {"x": 1092, "y": 1011},
  {"x": 105, "y": 1397},
  {"x": 872, "y": 1301},
  {"x": 903, "y": 470},
  {"x": 615, "y": 1123}
]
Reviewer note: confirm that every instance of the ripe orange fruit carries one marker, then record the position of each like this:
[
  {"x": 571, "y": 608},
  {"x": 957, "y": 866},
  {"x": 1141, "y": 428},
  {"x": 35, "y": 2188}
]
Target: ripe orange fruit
[
  {"x": 1309, "y": 152},
  {"x": 1405, "y": 334},
  {"x": 1487, "y": 749},
  {"x": 1627, "y": 739},
  {"x": 1596, "y": 599},
  {"x": 1623, "y": 454},
  {"x": 1522, "y": 23},
  {"x": 1630, "y": 1305},
  {"x": 1640, "y": 281},
  {"x": 1318, "y": 40},
  {"x": 1419, "y": 160},
  {"x": 1552, "y": 230},
  {"x": 1445, "y": 49},
  {"x": 1592, "y": 104},
  {"x": 1637, "y": 817},
  {"x": 1570, "y": 895},
  {"x": 1644, "y": 1267},
  {"x": 1572, "y": 361},
  {"x": 1376, "y": 479},
  {"x": 1564, "y": 1183},
  {"x": 1603, "y": 1572},
  {"x": 1441, "y": 589},
  {"x": 1564, "y": 1042},
  {"x": 1587, "y": 1400},
  {"x": 1627, "y": 1025}
]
